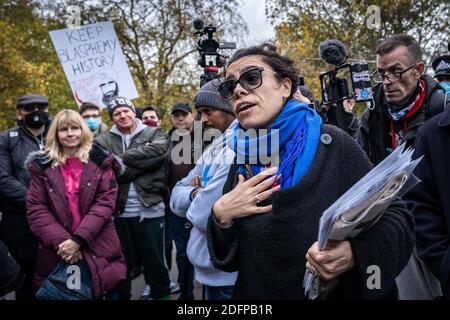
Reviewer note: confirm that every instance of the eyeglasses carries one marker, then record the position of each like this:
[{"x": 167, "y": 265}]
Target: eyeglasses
[
  {"x": 392, "y": 77},
  {"x": 249, "y": 80},
  {"x": 33, "y": 107}
]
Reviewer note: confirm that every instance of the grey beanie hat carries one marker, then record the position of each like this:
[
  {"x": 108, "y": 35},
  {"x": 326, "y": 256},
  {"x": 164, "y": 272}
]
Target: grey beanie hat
[{"x": 209, "y": 96}]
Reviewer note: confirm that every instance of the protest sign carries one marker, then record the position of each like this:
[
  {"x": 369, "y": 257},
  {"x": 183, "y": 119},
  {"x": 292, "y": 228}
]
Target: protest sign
[{"x": 94, "y": 63}]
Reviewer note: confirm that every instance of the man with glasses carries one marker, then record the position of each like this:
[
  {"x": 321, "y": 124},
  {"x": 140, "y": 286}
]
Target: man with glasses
[
  {"x": 404, "y": 98},
  {"x": 15, "y": 146},
  {"x": 91, "y": 114}
]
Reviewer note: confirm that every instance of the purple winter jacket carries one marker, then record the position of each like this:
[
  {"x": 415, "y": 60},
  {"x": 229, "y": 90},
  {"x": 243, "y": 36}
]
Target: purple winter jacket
[{"x": 50, "y": 220}]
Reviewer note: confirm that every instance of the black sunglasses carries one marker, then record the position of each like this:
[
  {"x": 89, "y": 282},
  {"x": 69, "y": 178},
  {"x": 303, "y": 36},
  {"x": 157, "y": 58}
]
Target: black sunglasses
[{"x": 249, "y": 80}]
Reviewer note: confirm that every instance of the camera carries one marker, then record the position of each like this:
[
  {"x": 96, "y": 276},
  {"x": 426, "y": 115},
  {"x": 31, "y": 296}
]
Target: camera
[
  {"x": 301, "y": 80},
  {"x": 334, "y": 83},
  {"x": 208, "y": 47}
]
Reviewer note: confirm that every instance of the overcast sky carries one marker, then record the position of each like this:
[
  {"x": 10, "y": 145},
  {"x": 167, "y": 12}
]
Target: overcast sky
[{"x": 259, "y": 28}]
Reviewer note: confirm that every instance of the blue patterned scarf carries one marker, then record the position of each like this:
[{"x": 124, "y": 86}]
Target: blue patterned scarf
[{"x": 295, "y": 132}]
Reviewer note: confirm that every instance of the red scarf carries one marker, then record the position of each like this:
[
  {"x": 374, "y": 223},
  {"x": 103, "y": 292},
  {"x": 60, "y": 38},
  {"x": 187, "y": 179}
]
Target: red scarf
[{"x": 420, "y": 98}]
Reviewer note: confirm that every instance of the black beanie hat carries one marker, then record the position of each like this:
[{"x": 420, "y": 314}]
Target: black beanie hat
[{"x": 119, "y": 102}]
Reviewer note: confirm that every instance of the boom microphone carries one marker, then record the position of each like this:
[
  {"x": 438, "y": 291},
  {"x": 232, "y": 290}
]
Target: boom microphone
[{"x": 333, "y": 52}]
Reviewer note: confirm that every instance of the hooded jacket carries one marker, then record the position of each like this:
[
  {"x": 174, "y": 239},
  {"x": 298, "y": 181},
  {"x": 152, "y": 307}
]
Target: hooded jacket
[
  {"x": 50, "y": 219},
  {"x": 15, "y": 146},
  {"x": 213, "y": 167}
]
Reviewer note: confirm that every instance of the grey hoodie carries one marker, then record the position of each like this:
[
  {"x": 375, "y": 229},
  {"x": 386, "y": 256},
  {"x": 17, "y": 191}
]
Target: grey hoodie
[{"x": 213, "y": 167}]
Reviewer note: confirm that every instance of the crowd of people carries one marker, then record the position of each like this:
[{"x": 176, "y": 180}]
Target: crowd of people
[{"x": 113, "y": 201}]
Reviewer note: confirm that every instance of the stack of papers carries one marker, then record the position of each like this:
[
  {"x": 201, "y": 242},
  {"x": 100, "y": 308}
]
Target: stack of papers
[{"x": 363, "y": 204}]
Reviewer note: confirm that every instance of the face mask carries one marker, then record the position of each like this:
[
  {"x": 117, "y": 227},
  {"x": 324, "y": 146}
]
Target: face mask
[
  {"x": 446, "y": 86},
  {"x": 93, "y": 124},
  {"x": 36, "y": 119},
  {"x": 150, "y": 123}
]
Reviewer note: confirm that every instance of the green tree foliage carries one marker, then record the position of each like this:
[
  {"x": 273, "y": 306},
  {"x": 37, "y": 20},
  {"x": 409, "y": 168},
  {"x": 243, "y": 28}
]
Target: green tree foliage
[
  {"x": 28, "y": 63},
  {"x": 156, "y": 37},
  {"x": 302, "y": 24}
]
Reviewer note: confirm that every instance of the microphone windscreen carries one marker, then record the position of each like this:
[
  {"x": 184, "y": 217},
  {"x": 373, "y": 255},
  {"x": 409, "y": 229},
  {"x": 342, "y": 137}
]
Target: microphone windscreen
[
  {"x": 198, "y": 24},
  {"x": 333, "y": 52}
]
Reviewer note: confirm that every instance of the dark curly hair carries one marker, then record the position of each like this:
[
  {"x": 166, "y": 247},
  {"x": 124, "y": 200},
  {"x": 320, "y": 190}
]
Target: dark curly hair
[{"x": 282, "y": 65}]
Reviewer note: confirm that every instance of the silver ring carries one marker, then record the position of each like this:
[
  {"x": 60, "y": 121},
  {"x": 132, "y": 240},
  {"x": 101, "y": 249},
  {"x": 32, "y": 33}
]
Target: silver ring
[{"x": 257, "y": 199}]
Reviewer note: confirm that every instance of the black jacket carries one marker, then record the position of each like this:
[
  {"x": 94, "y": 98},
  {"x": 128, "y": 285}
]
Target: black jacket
[
  {"x": 337, "y": 116},
  {"x": 189, "y": 160},
  {"x": 15, "y": 146},
  {"x": 10, "y": 275},
  {"x": 268, "y": 250},
  {"x": 430, "y": 200},
  {"x": 374, "y": 131}
]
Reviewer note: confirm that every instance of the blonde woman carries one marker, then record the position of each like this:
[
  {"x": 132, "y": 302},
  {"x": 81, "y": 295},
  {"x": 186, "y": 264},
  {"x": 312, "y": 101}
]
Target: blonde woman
[{"x": 70, "y": 202}]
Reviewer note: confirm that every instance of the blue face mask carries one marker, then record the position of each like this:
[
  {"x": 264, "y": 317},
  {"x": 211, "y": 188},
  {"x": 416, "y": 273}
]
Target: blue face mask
[
  {"x": 93, "y": 124},
  {"x": 446, "y": 86}
]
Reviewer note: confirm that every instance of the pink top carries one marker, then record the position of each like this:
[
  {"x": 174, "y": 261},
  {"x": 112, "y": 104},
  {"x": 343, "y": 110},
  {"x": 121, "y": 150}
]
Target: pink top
[{"x": 71, "y": 172}]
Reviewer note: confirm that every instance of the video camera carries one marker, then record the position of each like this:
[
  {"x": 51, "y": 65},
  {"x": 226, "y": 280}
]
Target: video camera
[
  {"x": 334, "y": 83},
  {"x": 210, "y": 58}
]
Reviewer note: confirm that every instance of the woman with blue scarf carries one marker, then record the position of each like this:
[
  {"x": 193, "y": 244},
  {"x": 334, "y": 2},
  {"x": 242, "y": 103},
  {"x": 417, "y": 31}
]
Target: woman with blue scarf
[{"x": 289, "y": 168}]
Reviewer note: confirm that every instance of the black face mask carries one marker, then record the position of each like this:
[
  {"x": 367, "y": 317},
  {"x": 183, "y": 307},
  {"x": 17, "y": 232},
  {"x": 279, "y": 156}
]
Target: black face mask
[{"x": 36, "y": 119}]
